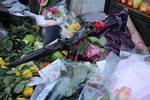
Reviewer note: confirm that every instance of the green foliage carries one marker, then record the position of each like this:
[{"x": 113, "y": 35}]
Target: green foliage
[
  {"x": 82, "y": 48},
  {"x": 20, "y": 86},
  {"x": 99, "y": 42},
  {"x": 10, "y": 84},
  {"x": 13, "y": 46},
  {"x": 71, "y": 80}
]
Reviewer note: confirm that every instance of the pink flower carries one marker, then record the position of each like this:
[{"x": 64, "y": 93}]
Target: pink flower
[
  {"x": 92, "y": 53},
  {"x": 53, "y": 10}
]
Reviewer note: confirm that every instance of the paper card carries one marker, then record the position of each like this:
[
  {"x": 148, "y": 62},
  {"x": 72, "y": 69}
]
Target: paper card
[
  {"x": 46, "y": 91},
  {"x": 52, "y": 71}
]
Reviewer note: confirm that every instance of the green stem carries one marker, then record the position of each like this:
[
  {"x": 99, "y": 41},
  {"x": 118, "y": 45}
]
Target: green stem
[{"x": 40, "y": 10}]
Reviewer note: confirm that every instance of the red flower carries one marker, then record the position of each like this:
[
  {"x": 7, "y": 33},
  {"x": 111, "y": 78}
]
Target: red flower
[{"x": 53, "y": 10}]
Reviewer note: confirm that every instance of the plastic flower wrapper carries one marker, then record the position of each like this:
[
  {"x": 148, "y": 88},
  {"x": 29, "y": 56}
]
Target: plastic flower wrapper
[
  {"x": 131, "y": 80},
  {"x": 90, "y": 49},
  {"x": 69, "y": 85},
  {"x": 95, "y": 50},
  {"x": 124, "y": 79},
  {"x": 94, "y": 89},
  {"x": 101, "y": 79}
]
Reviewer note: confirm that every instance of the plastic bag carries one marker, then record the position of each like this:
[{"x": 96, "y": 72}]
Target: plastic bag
[
  {"x": 107, "y": 67},
  {"x": 96, "y": 87},
  {"x": 126, "y": 77},
  {"x": 131, "y": 78},
  {"x": 71, "y": 81}
]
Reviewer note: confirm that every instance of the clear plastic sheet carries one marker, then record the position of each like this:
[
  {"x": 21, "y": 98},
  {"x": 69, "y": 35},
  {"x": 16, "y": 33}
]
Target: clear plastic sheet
[
  {"x": 126, "y": 77},
  {"x": 96, "y": 87},
  {"x": 132, "y": 76}
]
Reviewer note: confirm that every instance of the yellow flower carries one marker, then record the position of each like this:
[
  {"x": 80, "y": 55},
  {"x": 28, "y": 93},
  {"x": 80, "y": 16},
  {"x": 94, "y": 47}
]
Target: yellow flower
[
  {"x": 21, "y": 98},
  {"x": 34, "y": 69},
  {"x": 27, "y": 73},
  {"x": 17, "y": 72},
  {"x": 65, "y": 52},
  {"x": 74, "y": 27},
  {"x": 28, "y": 91},
  {"x": 2, "y": 62}
]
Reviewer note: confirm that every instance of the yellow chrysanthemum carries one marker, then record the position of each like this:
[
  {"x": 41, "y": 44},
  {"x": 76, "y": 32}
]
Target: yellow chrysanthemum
[
  {"x": 74, "y": 27},
  {"x": 2, "y": 63}
]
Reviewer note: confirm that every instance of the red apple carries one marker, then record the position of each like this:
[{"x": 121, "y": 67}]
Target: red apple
[
  {"x": 130, "y": 3},
  {"x": 148, "y": 10},
  {"x": 136, "y": 3}
]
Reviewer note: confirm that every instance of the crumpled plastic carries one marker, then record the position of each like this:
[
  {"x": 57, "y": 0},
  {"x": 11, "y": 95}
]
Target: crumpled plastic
[
  {"x": 96, "y": 87},
  {"x": 118, "y": 36},
  {"x": 133, "y": 74},
  {"x": 17, "y": 7},
  {"x": 8, "y": 3},
  {"x": 126, "y": 78},
  {"x": 41, "y": 21}
]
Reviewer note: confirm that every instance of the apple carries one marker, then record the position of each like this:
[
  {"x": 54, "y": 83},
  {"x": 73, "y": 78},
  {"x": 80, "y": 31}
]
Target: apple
[
  {"x": 130, "y": 3},
  {"x": 123, "y": 1},
  {"x": 136, "y": 3},
  {"x": 143, "y": 7},
  {"x": 148, "y": 10}
]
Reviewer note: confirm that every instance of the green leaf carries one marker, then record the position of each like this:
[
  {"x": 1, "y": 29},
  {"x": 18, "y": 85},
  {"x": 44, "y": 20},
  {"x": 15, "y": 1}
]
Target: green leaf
[
  {"x": 20, "y": 86},
  {"x": 59, "y": 14},
  {"x": 3, "y": 72},
  {"x": 82, "y": 48},
  {"x": 27, "y": 49},
  {"x": 10, "y": 98},
  {"x": 13, "y": 54},
  {"x": 94, "y": 40},
  {"x": 8, "y": 90},
  {"x": 12, "y": 71},
  {"x": 103, "y": 41},
  {"x": 8, "y": 80},
  {"x": 8, "y": 45}
]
